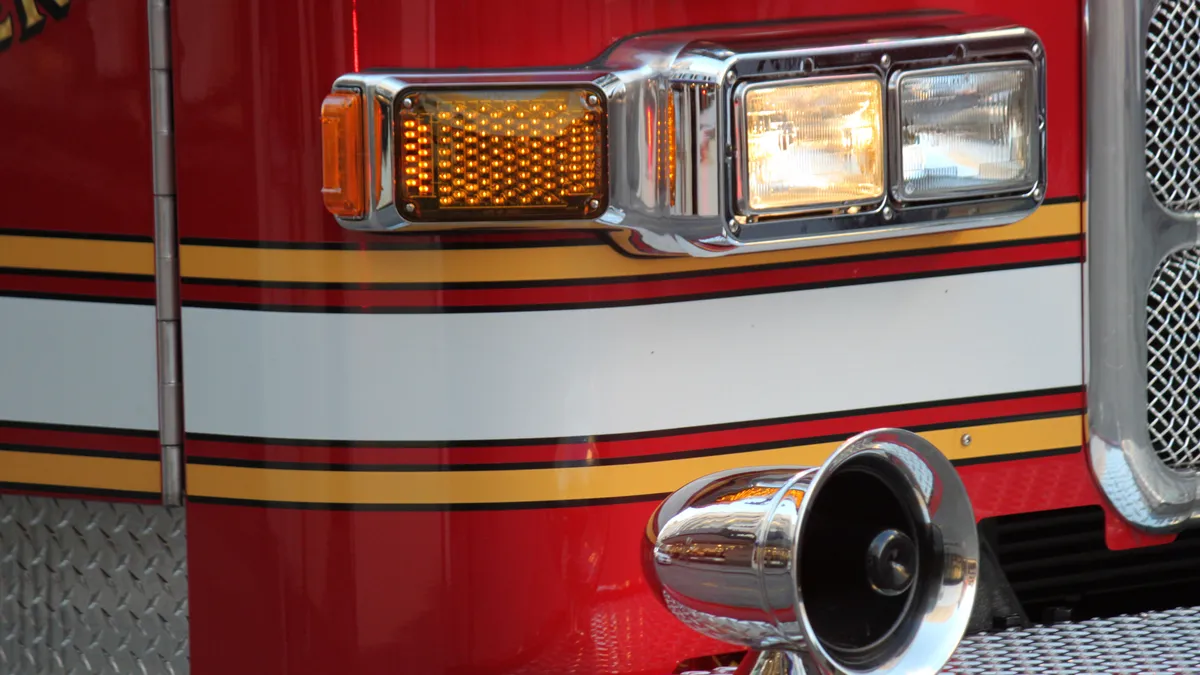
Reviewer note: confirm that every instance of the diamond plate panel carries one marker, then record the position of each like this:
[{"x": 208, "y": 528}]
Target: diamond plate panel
[
  {"x": 92, "y": 587},
  {"x": 1172, "y": 99},
  {"x": 1173, "y": 360},
  {"x": 1155, "y": 642}
]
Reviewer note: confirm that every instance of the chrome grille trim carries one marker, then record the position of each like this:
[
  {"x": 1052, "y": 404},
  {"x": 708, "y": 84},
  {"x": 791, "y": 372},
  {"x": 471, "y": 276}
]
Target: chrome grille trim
[
  {"x": 1173, "y": 104},
  {"x": 1173, "y": 360}
]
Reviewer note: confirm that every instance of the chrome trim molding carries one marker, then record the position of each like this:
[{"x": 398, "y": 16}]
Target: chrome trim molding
[
  {"x": 753, "y": 557},
  {"x": 166, "y": 255},
  {"x": 1128, "y": 234},
  {"x": 671, "y": 101}
]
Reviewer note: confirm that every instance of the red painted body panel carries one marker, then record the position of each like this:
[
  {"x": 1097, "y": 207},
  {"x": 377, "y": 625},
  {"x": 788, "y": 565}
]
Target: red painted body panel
[
  {"x": 251, "y": 76},
  {"x": 75, "y": 155},
  {"x": 284, "y": 591}
]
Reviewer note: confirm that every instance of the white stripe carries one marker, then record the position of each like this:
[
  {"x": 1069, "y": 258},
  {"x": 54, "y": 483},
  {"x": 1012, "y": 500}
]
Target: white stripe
[
  {"x": 79, "y": 363},
  {"x": 600, "y": 371}
]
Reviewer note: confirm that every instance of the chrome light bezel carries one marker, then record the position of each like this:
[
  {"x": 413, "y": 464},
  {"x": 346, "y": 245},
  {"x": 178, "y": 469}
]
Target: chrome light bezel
[{"x": 687, "y": 81}]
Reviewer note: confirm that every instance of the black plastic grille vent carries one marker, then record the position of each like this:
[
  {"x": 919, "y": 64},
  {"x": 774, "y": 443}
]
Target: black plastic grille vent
[{"x": 1060, "y": 568}]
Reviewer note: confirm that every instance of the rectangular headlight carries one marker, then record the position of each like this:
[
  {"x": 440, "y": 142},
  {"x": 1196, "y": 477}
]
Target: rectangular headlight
[
  {"x": 968, "y": 130},
  {"x": 811, "y": 144}
]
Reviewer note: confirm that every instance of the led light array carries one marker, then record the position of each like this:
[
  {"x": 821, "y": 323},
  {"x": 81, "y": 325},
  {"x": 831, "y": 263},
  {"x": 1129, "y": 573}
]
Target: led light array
[{"x": 512, "y": 153}]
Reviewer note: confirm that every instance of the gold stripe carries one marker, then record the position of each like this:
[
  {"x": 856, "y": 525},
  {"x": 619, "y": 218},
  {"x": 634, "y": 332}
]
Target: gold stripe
[
  {"x": 77, "y": 255},
  {"x": 470, "y": 265},
  {"x": 550, "y": 263},
  {"x": 598, "y": 482},
  {"x": 106, "y": 473}
]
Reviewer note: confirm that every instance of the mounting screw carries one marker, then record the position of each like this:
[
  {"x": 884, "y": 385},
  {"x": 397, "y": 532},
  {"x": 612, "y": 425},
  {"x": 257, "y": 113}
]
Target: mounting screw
[
  {"x": 887, "y": 213},
  {"x": 407, "y": 103},
  {"x": 1041, "y": 121},
  {"x": 593, "y": 100},
  {"x": 965, "y": 440},
  {"x": 1035, "y": 49},
  {"x": 730, "y": 76},
  {"x": 885, "y": 61},
  {"x": 410, "y": 207},
  {"x": 734, "y": 227},
  {"x": 594, "y": 204},
  {"x": 1037, "y": 192}
]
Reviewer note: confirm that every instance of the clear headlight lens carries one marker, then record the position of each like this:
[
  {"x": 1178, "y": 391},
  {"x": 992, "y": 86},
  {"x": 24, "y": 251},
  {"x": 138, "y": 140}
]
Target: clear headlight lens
[
  {"x": 968, "y": 131},
  {"x": 813, "y": 144}
]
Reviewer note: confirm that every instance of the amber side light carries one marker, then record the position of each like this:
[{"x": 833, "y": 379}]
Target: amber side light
[
  {"x": 502, "y": 154},
  {"x": 343, "y": 187}
]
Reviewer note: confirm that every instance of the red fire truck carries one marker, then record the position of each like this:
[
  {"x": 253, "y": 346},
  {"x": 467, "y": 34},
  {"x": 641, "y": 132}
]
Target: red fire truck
[{"x": 599, "y": 337}]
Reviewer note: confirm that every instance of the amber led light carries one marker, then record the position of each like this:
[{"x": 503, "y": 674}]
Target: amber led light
[
  {"x": 501, "y": 154},
  {"x": 342, "y": 185}
]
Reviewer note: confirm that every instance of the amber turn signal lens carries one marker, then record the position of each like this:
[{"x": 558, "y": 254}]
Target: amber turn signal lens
[
  {"x": 502, "y": 154},
  {"x": 342, "y": 187}
]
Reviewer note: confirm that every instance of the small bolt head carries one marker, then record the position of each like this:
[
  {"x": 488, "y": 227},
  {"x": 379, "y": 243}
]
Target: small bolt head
[
  {"x": 885, "y": 61},
  {"x": 1037, "y": 192},
  {"x": 965, "y": 440},
  {"x": 410, "y": 207},
  {"x": 594, "y": 204},
  {"x": 407, "y": 103},
  {"x": 593, "y": 100},
  {"x": 734, "y": 227},
  {"x": 730, "y": 76},
  {"x": 887, "y": 213},
  {"x": 1035, "y": 49}
]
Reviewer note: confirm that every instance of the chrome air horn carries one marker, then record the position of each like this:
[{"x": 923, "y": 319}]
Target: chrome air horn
[{"x": 865, "y": 564}]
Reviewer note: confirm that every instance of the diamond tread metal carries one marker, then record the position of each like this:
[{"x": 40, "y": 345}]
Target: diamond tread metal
[
  {"x": 1173, "y": 360},
  {"x": 1156, "y": 642},
  {"x": 1173, "y": 104},
  {"x": 92, "y": 587}
]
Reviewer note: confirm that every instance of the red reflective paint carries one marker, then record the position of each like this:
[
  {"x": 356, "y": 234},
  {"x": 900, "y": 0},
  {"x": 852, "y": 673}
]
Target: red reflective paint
[
  {"x": 75, "y": 152},
  {"x": 551, "y": 590},
  {"x": 251, "y": 76}
]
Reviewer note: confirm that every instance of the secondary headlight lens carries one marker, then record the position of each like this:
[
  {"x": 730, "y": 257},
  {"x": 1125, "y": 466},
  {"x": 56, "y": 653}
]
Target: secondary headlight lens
[
  {"x": 813, "y": 144},
  {"x": 968, "y": 131}
]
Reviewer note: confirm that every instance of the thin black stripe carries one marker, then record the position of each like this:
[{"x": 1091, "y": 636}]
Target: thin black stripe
[
  {"x": 634, "y": 278},
  {"x": 73, "y": 428},
  {"x": 97, "y": 236},
  {"x": 1069, "y": 199},
  {"x": 33, "y": 295},
  {"x": 638, "y": 435},
  {"x": 633, "y": 302},
  {"x": 67, "y": 490},
  {"x": 488, "y": 506},
  {"x": 77, "y": 452},
  {"x": 610, "y": 461},
  {"x": 1008, "y": 457},
  {"x": 76, "y": 274},
  {"x": 397, "y": 245}
]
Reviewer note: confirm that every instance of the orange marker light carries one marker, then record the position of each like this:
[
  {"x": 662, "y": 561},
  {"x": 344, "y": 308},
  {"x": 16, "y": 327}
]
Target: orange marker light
[
  {"x": 544, "y": 149},
  {"x": 343, "y": 187}
]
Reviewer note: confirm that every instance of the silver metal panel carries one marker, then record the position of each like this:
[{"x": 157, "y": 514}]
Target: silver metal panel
[
  {"x": 1156, "y": 642},
  {"x": 1129, "y": 233},
  {"x": 92, "y": 587}
]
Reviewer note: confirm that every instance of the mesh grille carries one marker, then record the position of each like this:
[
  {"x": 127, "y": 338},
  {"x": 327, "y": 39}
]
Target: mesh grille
[
  {"x": 1173, "y": 360},
  {"x": 1173, "y": 104}
]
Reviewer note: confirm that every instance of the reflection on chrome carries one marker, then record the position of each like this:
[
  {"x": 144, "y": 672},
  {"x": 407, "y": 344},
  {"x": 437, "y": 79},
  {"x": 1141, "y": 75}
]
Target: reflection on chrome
[{"x": 866, "y": 564}]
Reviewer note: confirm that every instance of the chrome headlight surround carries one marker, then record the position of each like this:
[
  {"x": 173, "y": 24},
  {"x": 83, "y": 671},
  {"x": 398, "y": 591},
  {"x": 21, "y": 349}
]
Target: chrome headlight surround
[{"x": 675, "y": 143}]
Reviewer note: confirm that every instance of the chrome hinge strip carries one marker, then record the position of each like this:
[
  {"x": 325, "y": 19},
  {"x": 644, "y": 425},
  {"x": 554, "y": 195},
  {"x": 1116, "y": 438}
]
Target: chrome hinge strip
[{"x": 166, "y": 255}]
